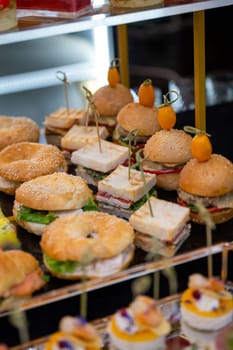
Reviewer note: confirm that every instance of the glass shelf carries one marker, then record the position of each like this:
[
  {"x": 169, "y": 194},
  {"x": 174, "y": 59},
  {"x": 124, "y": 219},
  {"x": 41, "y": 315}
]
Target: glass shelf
[{"x": 35, "y": 28}]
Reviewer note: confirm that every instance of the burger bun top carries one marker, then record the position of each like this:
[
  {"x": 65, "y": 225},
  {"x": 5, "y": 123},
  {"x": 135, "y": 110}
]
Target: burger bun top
[
  {"x": 57, "y": 191},
  {"x": 109, "y": 100},
  {"x": 135, "y": 116},
  {"x": 210, "y": 178},
  {"x": 169, "y": 146}
]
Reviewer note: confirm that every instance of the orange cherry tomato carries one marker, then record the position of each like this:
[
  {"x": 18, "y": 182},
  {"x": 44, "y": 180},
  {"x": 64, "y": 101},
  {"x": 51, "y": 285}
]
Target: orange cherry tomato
[
  {"x": 113, "y": 73},
  {"x": 146, "y": 93},
  {"x": 201, "y": 147},
  {"x": 166, "y": 117}
]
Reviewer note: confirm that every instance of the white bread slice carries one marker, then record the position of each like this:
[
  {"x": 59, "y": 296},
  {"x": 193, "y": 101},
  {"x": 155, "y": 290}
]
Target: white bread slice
[
  {"x": 118, "y": 183},
  {"x": 61, "y": 118},
  {"x": 104, "y": 160},
  {"x": 167, "y": 221},
  {"x": 81, "y": 135}
]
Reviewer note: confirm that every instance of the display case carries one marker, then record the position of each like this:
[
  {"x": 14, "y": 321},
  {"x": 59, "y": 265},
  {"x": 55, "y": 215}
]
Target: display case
[{"x": 195, "y": 247}]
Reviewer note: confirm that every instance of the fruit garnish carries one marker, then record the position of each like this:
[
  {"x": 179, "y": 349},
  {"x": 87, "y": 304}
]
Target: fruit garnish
[
  {"x": 201, "y": 146},
  {"x": 146, "y": 93},
  {"x": 113, "y": 73},
  {"x": 166, "y": 113}
]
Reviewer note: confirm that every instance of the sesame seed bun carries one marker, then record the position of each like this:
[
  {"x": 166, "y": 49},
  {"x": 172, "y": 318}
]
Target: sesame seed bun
[
  {"x": 135, "y": 116},
  {"x": 103, "y": 238},
  {"x": 17, "y": 129},
  {"x": 109, "y": 100},
  {"x": 24, "y": 161},
  {"x": 57, "y": 191},
  {"x": 169, "y": 146},
  {"x": 165, "y": 153},
  {"x": 209, "y": 183},
  {"x": 211, "y": 178}
]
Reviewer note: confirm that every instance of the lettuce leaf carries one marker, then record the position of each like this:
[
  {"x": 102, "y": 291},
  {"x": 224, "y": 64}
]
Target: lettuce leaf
[
  {"x": 143, "y": 200},
  {"x": 60, "y": 266},
  {"x": 38, "y": 216},
  {"x": 97, "y": 175},
  {"x": 91, "y": 205}
]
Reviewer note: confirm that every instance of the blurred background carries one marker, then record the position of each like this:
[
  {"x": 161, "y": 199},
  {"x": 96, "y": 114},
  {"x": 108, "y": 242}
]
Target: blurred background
[{"x": 160, "y": 49}]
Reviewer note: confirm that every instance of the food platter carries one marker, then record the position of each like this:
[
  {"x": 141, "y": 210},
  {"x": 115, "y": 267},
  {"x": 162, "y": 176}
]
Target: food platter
[
  {"x": 180, "y": 334},
  {"x": 57, "y": 289}
]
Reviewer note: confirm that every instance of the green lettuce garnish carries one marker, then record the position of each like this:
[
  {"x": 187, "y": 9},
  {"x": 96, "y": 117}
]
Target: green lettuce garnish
[
  {"x": 61, "y": 266},
  {"x": 97, "y": 175},
  {"x": 38, "y": 216},
  {"x": 91, "y": 205},
  {"x": 143, "y": 200}
]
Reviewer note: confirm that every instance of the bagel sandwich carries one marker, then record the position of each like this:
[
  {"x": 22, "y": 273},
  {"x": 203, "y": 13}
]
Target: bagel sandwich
[
  {"x": 24, "y": 161},
  {"x": 17, "y": 129},
  {"x": 165, "y": 154},
  {"x": 20, "y": 273},
  {"x": 209, "y": 184},
  {"x": 135, "y": 116},
  {"x": 58, "y": 123},
  {"x": 42, "y": 200},
  {"x": 165, "y": 231},
  {"x": 109, "y": 101},
  {"x": 121, "y": 192},
  {"x": 94, "y": 164},
  {"x": 89, "y": 244}
]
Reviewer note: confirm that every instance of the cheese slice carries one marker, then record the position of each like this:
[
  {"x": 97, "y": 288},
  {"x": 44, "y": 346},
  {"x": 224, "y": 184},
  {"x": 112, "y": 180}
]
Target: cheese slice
[
  {"x": 167, "y": 221},
  {"x": 80, "y": 135},
  {"x": 104, "y": 158},
  {"x": 120, "y": 184}
]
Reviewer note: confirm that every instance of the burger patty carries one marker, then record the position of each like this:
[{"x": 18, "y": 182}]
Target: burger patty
[{"x": 224, "y": 201}]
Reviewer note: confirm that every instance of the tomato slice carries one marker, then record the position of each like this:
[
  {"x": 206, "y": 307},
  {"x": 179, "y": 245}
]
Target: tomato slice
[
  {"x": 163, "y": 172},
  {"x": 194, "y": 209}
]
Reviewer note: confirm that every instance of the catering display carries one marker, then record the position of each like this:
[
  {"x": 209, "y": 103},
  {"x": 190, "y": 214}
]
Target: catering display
[{"x": 89, "y": 250}]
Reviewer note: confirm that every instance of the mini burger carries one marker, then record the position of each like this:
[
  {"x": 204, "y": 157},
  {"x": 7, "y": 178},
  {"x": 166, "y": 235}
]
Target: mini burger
[
  {"x": 89, "y": 244},
  {"x": 122, "y": 192},
  {"x": 96, "y": 160},
  {"x": 209, "y": 184},
  {"x": 20, "y": 274},
  {"x": 165, "y": 154},
  {"x": 42, "y": 200},
  {"x": 58, "y": 123},
  {"x": 162, "y": 229},
  {"x": 109, "y": 101},
  {"x": 138, "y": 118}
]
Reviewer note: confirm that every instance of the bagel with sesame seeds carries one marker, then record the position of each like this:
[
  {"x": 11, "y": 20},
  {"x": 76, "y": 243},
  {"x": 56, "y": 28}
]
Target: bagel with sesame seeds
[
  {"x": 89, "y": 244},
  {"x": 17, "y": 129},
  {"x": 41, "y": 200},
  {"x": 24, "y": 161}
]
